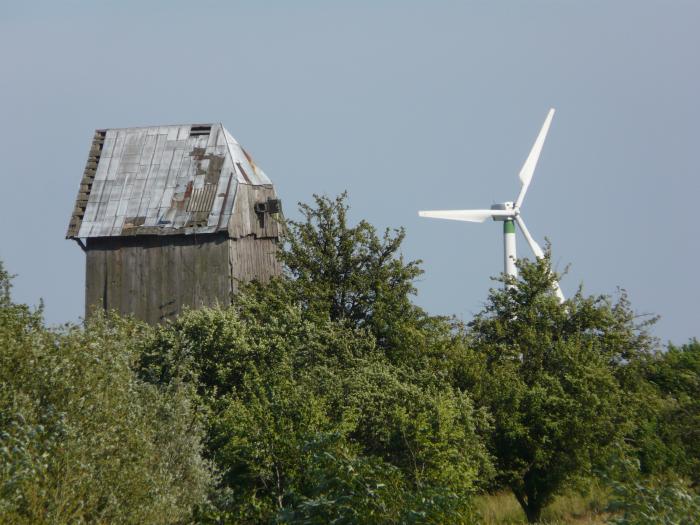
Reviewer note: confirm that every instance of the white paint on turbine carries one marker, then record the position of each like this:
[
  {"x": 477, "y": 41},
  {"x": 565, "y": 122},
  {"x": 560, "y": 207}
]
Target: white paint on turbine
[{"x": 509, "y": 253}]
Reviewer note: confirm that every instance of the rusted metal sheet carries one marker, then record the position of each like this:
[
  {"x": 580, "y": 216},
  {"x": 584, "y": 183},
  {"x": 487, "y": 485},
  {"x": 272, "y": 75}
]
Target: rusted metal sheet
[{"x": 162, "y": 180}]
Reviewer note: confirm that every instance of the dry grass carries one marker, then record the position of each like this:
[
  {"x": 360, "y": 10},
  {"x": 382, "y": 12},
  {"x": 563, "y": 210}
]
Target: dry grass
[{"x": 571, "y": 508}]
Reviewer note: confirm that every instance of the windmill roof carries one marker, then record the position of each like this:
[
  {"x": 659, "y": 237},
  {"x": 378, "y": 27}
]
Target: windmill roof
[{"x": 179, "y": 179}]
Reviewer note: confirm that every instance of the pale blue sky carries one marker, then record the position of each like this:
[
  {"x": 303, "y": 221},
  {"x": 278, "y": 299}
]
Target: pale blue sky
[{"x": 408, "y": 105}]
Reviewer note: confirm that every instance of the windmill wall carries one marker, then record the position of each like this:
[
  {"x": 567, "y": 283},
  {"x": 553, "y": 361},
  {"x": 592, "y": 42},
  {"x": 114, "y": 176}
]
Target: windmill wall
[{"x": 156, "y": 277}]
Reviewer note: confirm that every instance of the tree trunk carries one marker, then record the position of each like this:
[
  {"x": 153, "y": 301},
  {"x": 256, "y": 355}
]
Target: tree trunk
[
  {"x": 533, "y": 513},
  {"x": 531, "y": 506}
]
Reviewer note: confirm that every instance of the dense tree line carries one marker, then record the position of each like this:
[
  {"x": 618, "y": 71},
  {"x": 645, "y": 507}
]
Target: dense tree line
[
  {"x": 327, "y": 395},
  {"x": 82, "y": 438}
]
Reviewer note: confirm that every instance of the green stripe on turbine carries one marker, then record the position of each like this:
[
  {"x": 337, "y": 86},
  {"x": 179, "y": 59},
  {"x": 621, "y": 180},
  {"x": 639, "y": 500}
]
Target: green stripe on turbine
[{"x": 508, "y": 226}]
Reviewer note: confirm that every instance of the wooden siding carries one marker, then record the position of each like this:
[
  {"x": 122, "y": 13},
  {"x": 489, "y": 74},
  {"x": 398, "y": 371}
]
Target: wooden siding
[
  {"x": 253, "y": 259},
  {"x": 155, "y": 277},
  {"x": 245, "y": 221}
]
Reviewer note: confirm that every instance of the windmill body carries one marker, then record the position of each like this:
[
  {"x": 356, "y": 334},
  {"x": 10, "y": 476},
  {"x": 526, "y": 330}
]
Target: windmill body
[{"x": 508, "y": 212}]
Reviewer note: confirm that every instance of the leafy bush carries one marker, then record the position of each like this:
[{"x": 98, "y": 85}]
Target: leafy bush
[
  {"x": 651, "y": 501},
  {"x": 328, "y": 350},
  {"x": 672, "y": 423},
  {"x": 326, "y": 395},
  {"x": 296, "y": 381},
  {"x": 82, "y": 439}
]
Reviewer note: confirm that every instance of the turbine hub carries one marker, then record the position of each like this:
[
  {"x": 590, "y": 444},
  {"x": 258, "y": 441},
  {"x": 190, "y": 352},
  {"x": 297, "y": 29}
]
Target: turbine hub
[{"x": 507, "y": 206}]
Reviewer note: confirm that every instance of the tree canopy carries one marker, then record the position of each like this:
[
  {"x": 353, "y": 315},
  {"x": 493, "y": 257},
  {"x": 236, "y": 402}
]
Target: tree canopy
[
  {"x": 550, "y": 382},
  {"x": 349, "y": 273},
  {"x": 288, "y": 399},
  {"x": 82, "y": 438},
  {"x": 328, "y": 396}
]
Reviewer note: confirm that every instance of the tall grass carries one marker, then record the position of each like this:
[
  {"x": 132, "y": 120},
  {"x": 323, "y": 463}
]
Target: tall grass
[{"x": 571, "y": 508}]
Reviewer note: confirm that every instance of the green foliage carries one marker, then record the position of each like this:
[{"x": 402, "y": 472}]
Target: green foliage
[
  {"x": 260, "y": 437},
  {"x": 347, "y": 488},
  {"x": 82, "y": 440},
  {"x": 673, "y": 413},
  {"x": 430, "y": 432},
  {"x": 344, "y": 487},
  {"x": 335, "y": 348},
  {"x": 327, "y": 396},
  {"x": 297, "y": 381},
  {"x": 651, "y": 501},
  {"x": 551, "y": 382},
  {"x": 348, "y": 273}
]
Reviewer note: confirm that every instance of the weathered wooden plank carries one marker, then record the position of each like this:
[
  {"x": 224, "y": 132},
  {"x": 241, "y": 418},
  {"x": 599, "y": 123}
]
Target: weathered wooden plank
[
  {"x": 187, "y": 276},
  {"x": 141, "y": 274},
  {"x": 94, "y": 281},
  {"x": 153, "y": 281},
  {"x": 183, "y": 133},
  {"x": 207, "y": 274},
  {"x": 127, "y": 305},
  {"x": 121, "y": 297},
  {"x": 107, "y": 147},
  {"x": 119, "y": 143},
  {"x": 194, "y": 254},
  {"x": 208, "y": 290},
  {"x": 139, "y": 308},
  {"x": 253, "y": 259},
  {"x": 113, "y": 168},
  {"x": 223, "y": 273},
  {"x": 233, "y": 263},
  {"x": 171, "y": 278},
  {"x": 244, "y": 220},
  {"x": 121, "y": 282},
  {"x": 149, "y": 148},
  {"x": 159, "y": 148},
  {"x": 218, "y": 276},
  {"x": 204, "y": 269},
  {"x": 113, "y": 281},
  {"x": 153, "y": 278}
]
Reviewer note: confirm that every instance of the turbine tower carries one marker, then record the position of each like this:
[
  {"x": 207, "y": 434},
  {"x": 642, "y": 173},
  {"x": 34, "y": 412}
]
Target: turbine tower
[{"x": 508, "y": 212}]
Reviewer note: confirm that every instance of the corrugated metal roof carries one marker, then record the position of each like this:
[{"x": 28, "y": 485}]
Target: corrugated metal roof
[{"x": 161, "y": 180}]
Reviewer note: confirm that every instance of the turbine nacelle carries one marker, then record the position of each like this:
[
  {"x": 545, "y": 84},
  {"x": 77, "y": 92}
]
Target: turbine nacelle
[{"x": 505, "y": 206}]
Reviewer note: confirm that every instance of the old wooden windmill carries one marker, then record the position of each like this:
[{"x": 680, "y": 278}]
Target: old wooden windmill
[{"x": 172, "y": 216}]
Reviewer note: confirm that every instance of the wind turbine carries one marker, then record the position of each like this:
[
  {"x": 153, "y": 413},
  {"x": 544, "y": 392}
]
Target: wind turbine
[{"x": 508, "y": 212}]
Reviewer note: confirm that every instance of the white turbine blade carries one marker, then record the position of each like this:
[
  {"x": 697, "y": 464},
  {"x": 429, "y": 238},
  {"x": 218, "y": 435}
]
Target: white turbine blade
[
  {"x": 465, "y": 215},
  {"x": 528, "y": 168},
  {"x": 537, "y": 250},
  {"x": 558, "y": 292}
]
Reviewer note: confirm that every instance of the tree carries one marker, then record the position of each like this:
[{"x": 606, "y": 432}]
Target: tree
[
  {"x": 650, "y": 500},
  {"x": 551, "y": 381},
  {"x": 674, "y": 418},
  {"x": 82, "y": 438},
  {"x": 274, "y": 385},
  {"x": 332, "y": 348},
  {"x": 350, "y": 274}
]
